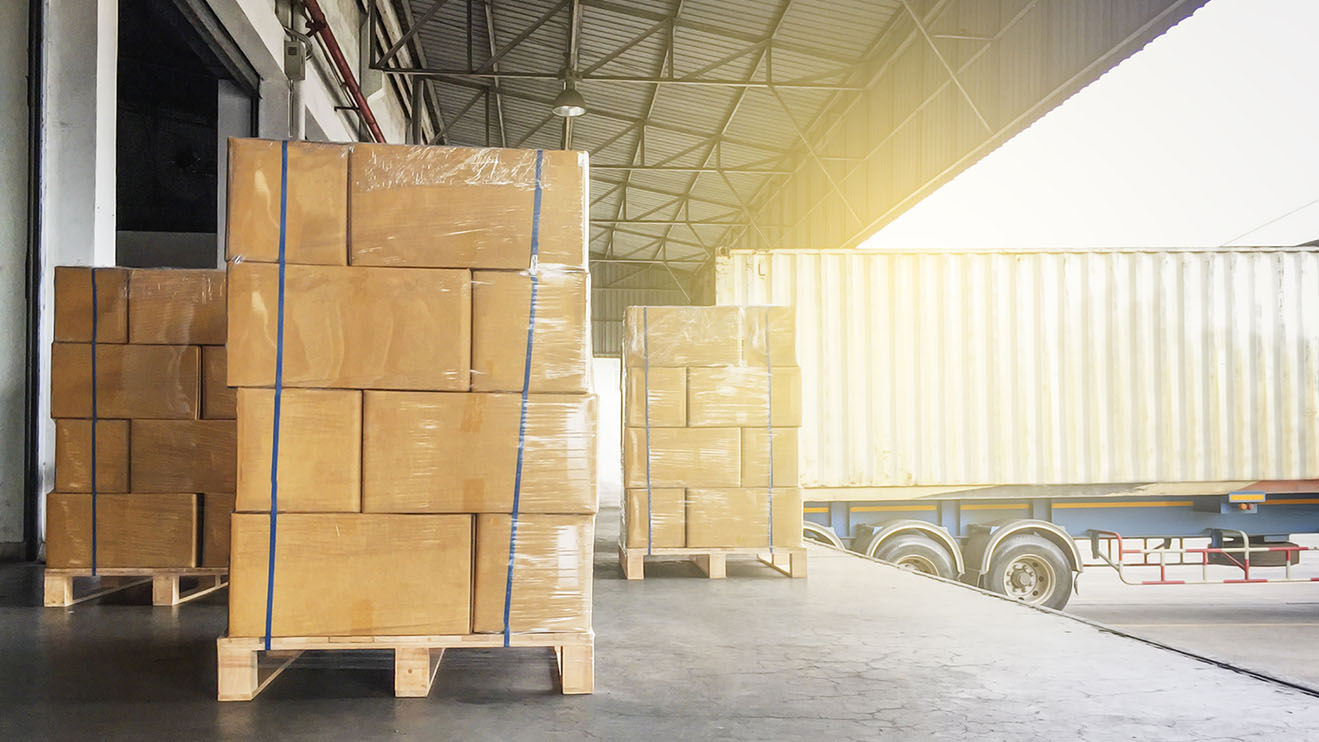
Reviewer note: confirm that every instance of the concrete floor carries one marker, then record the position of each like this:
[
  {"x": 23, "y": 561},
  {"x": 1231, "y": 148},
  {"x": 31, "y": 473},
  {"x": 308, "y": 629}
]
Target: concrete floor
[
  {"x": 857, "y": 651},
  {"x": 1267, "y": 628}
]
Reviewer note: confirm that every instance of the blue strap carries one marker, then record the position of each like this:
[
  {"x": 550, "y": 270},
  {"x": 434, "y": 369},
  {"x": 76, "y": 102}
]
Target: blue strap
[
  {"x": 769, "y": 414},
  {"x": 279, "y": 383},
  {"x": 645, "y": 374},
  {"x": 95, "y": 323},
  {"x": 526, "y": 386}
]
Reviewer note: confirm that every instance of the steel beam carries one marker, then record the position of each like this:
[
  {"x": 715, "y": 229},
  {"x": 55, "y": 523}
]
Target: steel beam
[
  {"x": 687, "y": 169},
  {"x": 454, "y": 74}
]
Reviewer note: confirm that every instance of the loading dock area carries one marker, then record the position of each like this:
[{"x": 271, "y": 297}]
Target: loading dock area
[{"x": 860, "y": 651}]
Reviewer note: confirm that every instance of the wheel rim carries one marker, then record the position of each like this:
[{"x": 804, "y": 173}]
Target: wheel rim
[
  {"x": 1030, "y": 579},
  {"x": 917, "y": 563}
]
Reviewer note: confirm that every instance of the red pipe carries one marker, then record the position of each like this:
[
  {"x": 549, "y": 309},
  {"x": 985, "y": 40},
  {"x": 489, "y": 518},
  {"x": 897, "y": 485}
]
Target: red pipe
[{"x": 321, "y": 26}]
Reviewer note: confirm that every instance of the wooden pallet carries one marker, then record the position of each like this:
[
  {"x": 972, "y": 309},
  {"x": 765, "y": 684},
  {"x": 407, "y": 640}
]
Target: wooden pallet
[
  {"x": 165, "y": 589},
  {"x": 790, "y": 561},
  {"x": 241, "y": 675}
]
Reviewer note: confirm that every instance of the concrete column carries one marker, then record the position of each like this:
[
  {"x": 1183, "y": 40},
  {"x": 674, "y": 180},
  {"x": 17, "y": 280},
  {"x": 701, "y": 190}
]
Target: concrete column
[
  {"x": 78, "y": 165},
  {"x": 13, "y": 278}
]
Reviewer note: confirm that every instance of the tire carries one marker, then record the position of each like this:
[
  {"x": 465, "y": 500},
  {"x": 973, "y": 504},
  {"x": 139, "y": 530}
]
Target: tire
[
  {"x": 1032, "y": 569},
  {"x": 917, "y": 553}
]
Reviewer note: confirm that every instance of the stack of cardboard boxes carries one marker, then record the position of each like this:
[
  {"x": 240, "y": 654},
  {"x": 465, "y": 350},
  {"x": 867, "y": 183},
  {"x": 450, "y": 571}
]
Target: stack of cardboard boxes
[
  {"x": 164, "y": 420},
  {"x": 712, "y": 396},
  {"x": 405, "y": 431}
]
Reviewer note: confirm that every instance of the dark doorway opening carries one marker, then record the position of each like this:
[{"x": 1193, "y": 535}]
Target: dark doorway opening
[{"x": 179, "y": 98}]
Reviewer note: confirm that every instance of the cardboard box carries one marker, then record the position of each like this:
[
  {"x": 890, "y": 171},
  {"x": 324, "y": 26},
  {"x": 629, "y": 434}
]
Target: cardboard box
[
  {"x": 73, "y": 305},
  {"x": 667, "y": 397},
  {"x": 561, "y": 343},
  {"x": 741, "y": 395},
  {"x": 465, "y": 207},
  {"x": 667, "y": 522},
  {"x": 176, "y": 307},
  {"x": 552, "y": 572},
  {"x": 756, "y": 452},
  {"x": 216, "y": 511},
  {"x": 132, "y": 530},
  {"x": 219, "y": 400},
  {"x": 739, "y": 517},
  {"x": 441, "y": 452},
  {"x": 351, "y": 328},
  {"x": 320, "y": 450},
  {"x": 132, "y": 381},
  {"x": 709, "y": 336},
  {"x": 352, "y": 575},
  {"x": 316, "y": 221},
  {"x": 683, "y": 457},
  {"x": 182, "y": 455},
  {"x": 73, "y": 455}
]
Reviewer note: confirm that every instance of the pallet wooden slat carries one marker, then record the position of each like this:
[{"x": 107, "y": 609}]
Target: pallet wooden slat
[
  {"x": 165, "y": 587},
  {"x": 790, "y": 561},
  {"x": 241, "y": 675}
]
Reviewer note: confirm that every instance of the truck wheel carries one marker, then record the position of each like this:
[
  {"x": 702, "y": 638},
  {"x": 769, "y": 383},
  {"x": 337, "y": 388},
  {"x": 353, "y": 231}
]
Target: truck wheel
[
  {"x": 917, "y": 553},
  {"x": 1031, "y": 569}
]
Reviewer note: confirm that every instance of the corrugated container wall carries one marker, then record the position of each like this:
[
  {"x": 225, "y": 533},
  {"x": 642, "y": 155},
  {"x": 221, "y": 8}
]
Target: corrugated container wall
[{"x": 965, "y": 367}]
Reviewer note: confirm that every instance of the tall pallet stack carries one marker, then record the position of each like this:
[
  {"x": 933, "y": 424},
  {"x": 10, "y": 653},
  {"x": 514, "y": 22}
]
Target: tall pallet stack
[
  {"x": 712, "y": 404},
  {"x": 408, "y": 329},
  {"x": 144, "y": 432}
]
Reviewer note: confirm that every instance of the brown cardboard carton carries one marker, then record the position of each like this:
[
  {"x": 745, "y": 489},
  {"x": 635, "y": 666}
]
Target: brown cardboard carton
[
  {"x": 739, "y": 517},
  {"x": 320, "y": 450},
  {"x": 176, "y": 307},
  {"x": 73, "y": 305},
  {"x": 73, "y": 455},
  {"x": 756, "y": 453},
  {"x": 465, "y": 207},
  {"x": 552, "y": 571},
  {"x": 316, "y": 223},
  {"x": 219, "y": 401},
  {"x": 682, "y": 336},
  {"x": 781, "y": 338},
  {"x": 132, "y": 530},
  {"x": 132, "y": 381},
  {"x": 740, "y": 395},
  {"x": 216, "y": 511},
  {"x": 709, "y": 336},
  {"x": 444, "y": 452},
  {"x": 667, "y": 397},
  {"x": 561, "y": 343},
  {"x": 683, "y": 457},
  {"x": 182, "y": 455},
  {"x": 667, "y": 522},
  {"x": 351, "y": 328},
  {"x": 352, "y": 575}
]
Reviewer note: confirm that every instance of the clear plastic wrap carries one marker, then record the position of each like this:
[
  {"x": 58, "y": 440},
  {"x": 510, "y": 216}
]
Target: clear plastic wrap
[
  {"x": 700, "y": 401},
  {"x": 351, "y": 327},
  {"x": 466, "y": 207},
  {"x": 73, "y": 455},
  {"x": 146, "y": 381},
  {"x": 316, "y": 214},
  {"x": 320, "y": 450},
  {"x": 552, "y": 573},
  {"x": 182, "y": 455},
  {"x": 219, "y": 400},
  {"x": 73, "y": 305},
  {"x": 561, "y": 340},
  {"x": 352, "y": 575},
  {"x": 132, "y": 530},
  {"x": 441, "y": 452},
  {"x": 171, "y": 306},
  {"x": 709, "y": 336}
]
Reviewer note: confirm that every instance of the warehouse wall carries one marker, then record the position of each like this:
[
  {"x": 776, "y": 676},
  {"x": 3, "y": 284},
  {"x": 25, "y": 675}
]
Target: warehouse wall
[{"x": 13, "y": 249}]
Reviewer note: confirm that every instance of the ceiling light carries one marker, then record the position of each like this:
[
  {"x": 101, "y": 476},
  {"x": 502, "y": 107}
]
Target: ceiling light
[{"x": 569, "y": 103}]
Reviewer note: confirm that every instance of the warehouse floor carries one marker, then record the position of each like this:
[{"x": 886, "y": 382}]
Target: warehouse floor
[{"x": 857, "y": 651}]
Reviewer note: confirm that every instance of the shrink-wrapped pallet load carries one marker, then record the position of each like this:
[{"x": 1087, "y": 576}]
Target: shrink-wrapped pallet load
[
  {"x": 712, "y": 403},
  {"x": 416, "y": 428}
]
